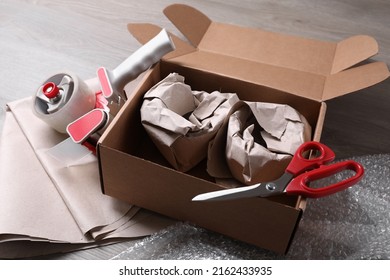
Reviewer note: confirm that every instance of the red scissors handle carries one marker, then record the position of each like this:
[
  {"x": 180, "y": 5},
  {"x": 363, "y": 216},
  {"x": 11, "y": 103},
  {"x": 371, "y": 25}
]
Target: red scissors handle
[
  {"x": 299, "y": 185},
  {"x": 300, "y": 164}
]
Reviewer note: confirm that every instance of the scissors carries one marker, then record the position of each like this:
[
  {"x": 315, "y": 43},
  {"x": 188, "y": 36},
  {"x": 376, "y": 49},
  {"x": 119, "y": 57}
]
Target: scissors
[{"x": 297, "y": 177}]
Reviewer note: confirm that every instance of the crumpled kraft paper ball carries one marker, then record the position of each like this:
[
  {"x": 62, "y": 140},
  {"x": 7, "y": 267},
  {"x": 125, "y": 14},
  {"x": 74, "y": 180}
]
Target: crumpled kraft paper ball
[
  {"x": 257, "y": 142},
  {"x": 182, "y": 122}
]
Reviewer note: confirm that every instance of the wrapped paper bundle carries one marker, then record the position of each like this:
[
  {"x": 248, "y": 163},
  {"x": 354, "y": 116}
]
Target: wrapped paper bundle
[
  {"x": 182, "y": 122},
  {"x": 257, "y": 142}
]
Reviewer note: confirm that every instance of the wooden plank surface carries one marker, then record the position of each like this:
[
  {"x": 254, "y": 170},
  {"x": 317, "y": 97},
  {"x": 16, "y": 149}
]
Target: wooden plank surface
[{"x": 41, "y": 37}]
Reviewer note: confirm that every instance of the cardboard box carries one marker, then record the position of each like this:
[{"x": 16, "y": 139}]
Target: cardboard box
[{"x": 258, "y": 65}]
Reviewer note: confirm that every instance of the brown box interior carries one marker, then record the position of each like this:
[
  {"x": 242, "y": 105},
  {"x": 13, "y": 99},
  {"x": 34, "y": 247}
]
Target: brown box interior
[{"x": 133, "y": 169}]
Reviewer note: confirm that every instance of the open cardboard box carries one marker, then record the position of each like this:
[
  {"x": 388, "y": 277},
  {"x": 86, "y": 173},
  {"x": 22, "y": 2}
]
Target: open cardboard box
[{"x": 258, "y": 65}]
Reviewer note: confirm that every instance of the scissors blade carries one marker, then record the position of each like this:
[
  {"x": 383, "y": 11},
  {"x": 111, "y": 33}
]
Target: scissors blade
[
  {"x": 234, "y": 193},
  {"x": 261, "y": 189}
]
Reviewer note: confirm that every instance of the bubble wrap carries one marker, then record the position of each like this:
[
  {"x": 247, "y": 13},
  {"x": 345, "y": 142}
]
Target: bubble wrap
[{"x": 352, "y": 224}]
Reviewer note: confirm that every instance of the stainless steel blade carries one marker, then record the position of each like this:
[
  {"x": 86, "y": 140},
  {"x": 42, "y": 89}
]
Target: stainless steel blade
[
  {"x": 262, "y": 190},
  {"x": 228, "y": 194}
]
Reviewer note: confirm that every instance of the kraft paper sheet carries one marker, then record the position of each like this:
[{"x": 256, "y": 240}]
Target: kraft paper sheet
[{"x": 47, "y": 201}]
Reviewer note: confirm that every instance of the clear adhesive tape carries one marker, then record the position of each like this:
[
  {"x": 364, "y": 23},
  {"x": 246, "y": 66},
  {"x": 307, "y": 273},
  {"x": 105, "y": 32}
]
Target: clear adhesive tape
[{"x": 80, "y": 99}]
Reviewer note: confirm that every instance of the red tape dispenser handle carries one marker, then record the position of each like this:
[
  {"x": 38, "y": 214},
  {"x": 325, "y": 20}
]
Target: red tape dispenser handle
[{"x": 299, "y": 185}]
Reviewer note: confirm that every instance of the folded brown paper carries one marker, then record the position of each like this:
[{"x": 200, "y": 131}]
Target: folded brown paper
[
  {"x": 42, "y": 199},
  {"x": 257, "y": 136},
  {"x": 181, "y": 122}
]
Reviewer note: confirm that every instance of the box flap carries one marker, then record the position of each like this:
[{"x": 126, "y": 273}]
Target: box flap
[
  {"x": 309, "y": 68},
  {"x": 352, "y": 51},
  {"x": 144, "y": 32},
  {"x": 190, "y": 22},
  {"x": 296, "y": 82},
  {"x": 355, "y": 79}
]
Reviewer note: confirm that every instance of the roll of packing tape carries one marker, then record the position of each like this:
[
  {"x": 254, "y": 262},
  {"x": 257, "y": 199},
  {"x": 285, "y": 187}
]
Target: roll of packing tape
[{"x": 62, "y": 99}]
